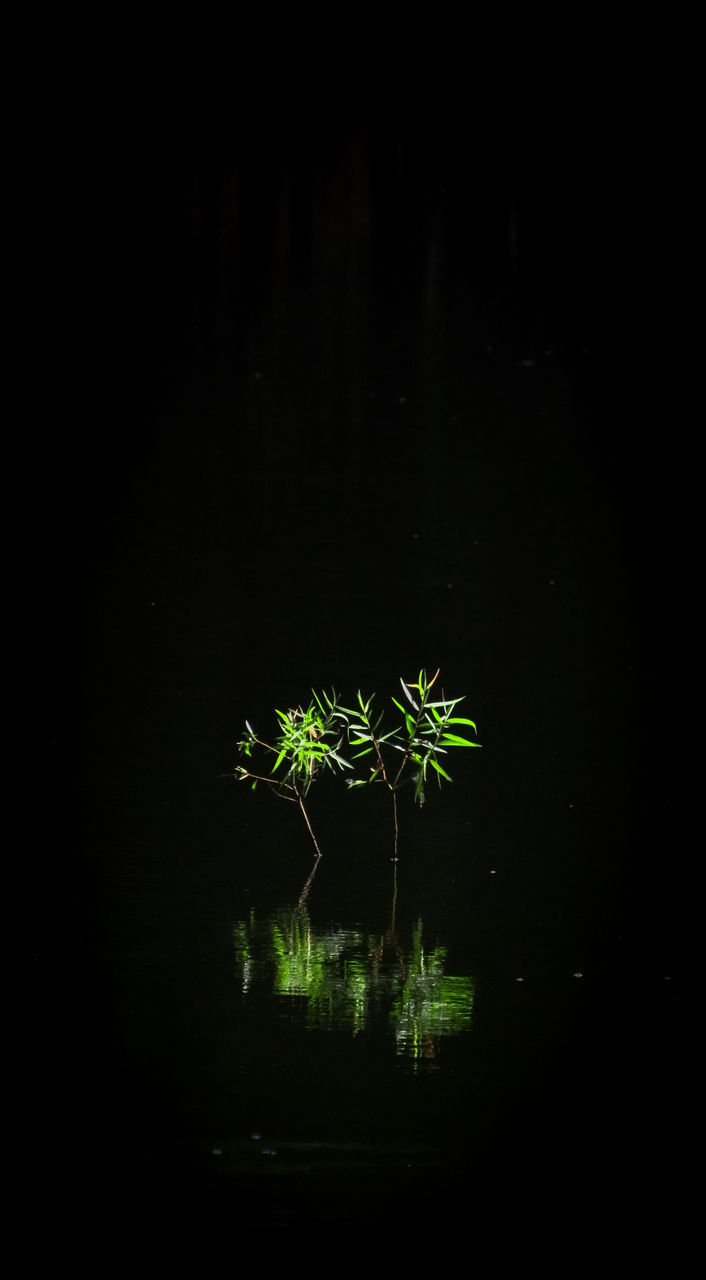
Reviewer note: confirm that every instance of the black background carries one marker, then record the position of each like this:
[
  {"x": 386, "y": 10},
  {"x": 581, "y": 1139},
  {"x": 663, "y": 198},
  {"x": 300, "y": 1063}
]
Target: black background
[{"x": 565, "y": 156}]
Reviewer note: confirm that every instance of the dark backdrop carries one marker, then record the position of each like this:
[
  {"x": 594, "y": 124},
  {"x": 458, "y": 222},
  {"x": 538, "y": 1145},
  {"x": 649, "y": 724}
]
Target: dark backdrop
[{"x": 257, "y": 419}]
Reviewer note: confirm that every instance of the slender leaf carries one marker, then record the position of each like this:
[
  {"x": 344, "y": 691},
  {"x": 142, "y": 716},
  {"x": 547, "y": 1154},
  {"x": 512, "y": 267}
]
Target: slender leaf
[
  {"x": 435, "y": 765},
  {"x": 405, "y": 690},
  {"x": 334, "y": 756}
]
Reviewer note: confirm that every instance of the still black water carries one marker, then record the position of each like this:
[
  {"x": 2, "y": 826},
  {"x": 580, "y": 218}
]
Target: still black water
[{"x": 359, "y": 421}]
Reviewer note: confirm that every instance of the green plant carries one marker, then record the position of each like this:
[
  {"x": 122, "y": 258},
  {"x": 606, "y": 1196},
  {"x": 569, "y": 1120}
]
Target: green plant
[
  {"x": 307, "y": 744},
  {"x": 422, "y": 738}
]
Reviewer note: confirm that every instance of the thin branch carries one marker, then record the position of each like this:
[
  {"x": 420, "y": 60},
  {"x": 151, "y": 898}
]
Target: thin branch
[{"x": 311, "y": 830}]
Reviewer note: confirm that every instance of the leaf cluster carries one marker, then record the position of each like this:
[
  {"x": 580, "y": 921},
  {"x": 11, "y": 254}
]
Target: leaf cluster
[
  {"x": 423, "y": 737},
  {"x": 307, "y": 743}
]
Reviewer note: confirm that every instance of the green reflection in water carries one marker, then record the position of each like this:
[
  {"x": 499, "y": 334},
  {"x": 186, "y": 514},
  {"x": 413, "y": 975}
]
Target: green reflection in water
[
  {"x": 354, "y": 981},
  {"x": 430, "y": 1002}
]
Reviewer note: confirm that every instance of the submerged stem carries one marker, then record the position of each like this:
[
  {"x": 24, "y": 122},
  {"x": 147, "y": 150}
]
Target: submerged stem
[{"x": 305, "y": 891}]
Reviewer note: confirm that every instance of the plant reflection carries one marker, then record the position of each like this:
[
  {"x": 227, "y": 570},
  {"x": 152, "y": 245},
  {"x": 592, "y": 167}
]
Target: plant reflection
[{"x": 349, "y": 980}]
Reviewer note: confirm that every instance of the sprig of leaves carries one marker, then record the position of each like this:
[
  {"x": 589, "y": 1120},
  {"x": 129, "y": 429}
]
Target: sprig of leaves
[
  {"x": 306, "y": 745},
  {"x": 422, "y": 738},
  {"x": 309, "y": 742}
]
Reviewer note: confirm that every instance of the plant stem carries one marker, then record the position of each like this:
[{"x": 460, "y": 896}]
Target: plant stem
[
  {"x": 381, "y": 766},
  {"x": 410, "y": 744},
  {"x": 272, "y": 783},
  {"x": 305, "y": 891},
  {"x": 311, "y": 829}
]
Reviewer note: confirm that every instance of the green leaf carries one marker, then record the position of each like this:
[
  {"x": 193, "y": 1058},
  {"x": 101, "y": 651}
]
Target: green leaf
[
  {"x": 278, "y": 761},
  {"x": 407, "y": 694},
  {"x": 434, "y": 764},
  {"x": 333, "y": 755},
  {"x": 454, "y": 741}
]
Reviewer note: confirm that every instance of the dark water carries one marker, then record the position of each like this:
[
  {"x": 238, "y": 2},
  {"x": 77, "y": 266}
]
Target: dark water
[{"x": 354, "y": 415}]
